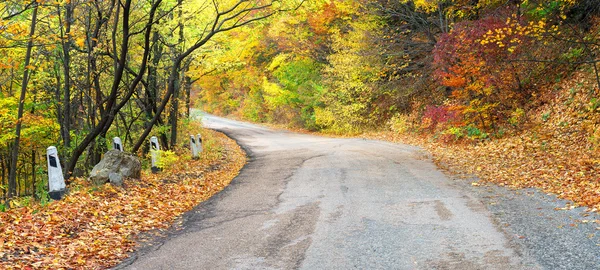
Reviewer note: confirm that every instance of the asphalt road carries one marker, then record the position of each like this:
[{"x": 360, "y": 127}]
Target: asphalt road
[{"x": 312, "y": 202}]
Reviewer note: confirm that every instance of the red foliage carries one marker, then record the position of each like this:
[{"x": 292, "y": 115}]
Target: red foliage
[
  {"x": 435, "y": 115},
  {"x": 474, "y": 60}
]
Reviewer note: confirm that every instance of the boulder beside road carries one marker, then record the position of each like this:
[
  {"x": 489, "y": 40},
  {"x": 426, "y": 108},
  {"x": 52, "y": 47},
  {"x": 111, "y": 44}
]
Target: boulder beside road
[{"x": 114, "y": 167}]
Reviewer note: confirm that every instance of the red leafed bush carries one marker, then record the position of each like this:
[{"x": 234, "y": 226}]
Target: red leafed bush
[
  {"x": 438, "y": 115},
  {"x": 480, "y": 61}
]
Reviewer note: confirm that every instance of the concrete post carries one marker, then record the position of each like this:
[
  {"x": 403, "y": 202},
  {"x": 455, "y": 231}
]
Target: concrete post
[
  {"x": 117, "y": 144},
  {"x": 193, "y": 147},
  {"x": 199, "y": 143},
  {"x": 155, "y": 155},
  {"x": 56, "y": 180}
]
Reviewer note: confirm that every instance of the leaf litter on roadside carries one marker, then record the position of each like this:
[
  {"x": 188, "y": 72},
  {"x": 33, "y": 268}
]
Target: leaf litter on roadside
[{"x": 97, "y": 227}]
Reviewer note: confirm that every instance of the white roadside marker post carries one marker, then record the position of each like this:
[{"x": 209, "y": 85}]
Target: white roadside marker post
[
  {"x": 56, "y": 180},
  {"x": 155, "y": 155},
  {"x": 193, "y": 147},
  {"x": 199, "y": 144},
  {"x": 117, "y": 144}
]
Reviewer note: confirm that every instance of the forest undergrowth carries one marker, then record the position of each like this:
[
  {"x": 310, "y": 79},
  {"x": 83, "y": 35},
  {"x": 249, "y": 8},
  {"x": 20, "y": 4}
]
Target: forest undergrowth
[{"x": 98, "y": 226}]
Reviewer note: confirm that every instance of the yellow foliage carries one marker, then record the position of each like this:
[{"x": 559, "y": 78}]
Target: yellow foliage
[
  {"x": 275, "y": 96},
  {"x": 166, "y": 159},
  {"x": 399, "y": 123},
  {"x": 427, "y": 6},
  {"x": 278, "y": 60},
  {"x": 513, "y": 32}
]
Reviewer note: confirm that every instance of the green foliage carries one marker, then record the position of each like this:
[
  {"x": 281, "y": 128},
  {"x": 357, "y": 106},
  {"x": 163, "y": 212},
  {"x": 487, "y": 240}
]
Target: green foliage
[
  {"x": 352, "y": 79},
  {"x": 593, "y": 105},
  {"x": 545, "y": 116},
  {"x": 476, "y": 133},
  {"x": 545, "y": 9},
  {"x": 573, "y": 54},
  {"x": 308, "y": 69},
  {"x": 466, "y": 132},
  {"x": 301, "y": 79},
  {"x": 41, "y": 193},
  {"x": 252, "y": 108},
  {"x": 8, "y": 108}
]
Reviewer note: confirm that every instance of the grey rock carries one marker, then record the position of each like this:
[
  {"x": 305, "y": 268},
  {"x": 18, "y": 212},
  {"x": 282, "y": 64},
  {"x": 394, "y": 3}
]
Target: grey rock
[
  {"x": 115, "y": 179},
  {"x": 116, "y": 162}
]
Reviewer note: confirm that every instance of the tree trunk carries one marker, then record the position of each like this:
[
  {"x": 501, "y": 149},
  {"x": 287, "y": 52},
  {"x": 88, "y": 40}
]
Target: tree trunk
[
  {"x": 33, "y": 154},
  {"x": 3, "y": 169},
  {"x": 66, "y": 45},
  {"x": 112, "y": 98},
  {"x": 152, "y": 89},
  {"x": 174, "y": 118},
  {"x": 112, "y": 106},
  {"x": 188, "y": 91},
  {"x": 12, "y": 176}
]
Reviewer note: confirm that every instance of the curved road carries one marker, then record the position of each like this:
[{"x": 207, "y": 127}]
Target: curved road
[{"x": 323, "y": 203}]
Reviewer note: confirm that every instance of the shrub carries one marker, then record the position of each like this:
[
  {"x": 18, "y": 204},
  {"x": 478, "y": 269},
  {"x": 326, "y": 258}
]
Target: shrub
[
  {"x": 517, "y": 117},
  {"x": 399, "y": 123},
  {"x": 457, "y": 132},
  {"x": 438, "y": 115},
  {"x": 478, "y": 62},
  {"x": 166, "y": 159},
  {"x": 475, "y": 133}
]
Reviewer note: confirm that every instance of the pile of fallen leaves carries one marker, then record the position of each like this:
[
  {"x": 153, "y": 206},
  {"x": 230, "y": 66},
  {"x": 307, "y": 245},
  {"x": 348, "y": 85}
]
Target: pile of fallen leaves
[
  {"x": 557, "y": 151},
  {"x": 96, "y": 227}
]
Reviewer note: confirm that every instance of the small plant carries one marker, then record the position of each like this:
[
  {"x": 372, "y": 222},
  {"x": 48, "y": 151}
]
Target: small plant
[
  {"x": 544, "y": 146},
  {"x": 457, "y": 132},
  {"x": 167, "y": 159},
  {"x": 516, "y": 117},
  {"x": 573, "y": 54},
  {"x": 25, "y": 201},
  {"x": 572, "y": 92},
  {"x": 545, "y": 116},
  {"x": 476, "y": 133},
  {"x": 41, "y": 193},
  {"x": 500, "y": 133},
  {"x": 594, "y": 104}
]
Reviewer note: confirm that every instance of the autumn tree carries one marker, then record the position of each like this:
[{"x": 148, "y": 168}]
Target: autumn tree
[
  {"x": 26, "y": 73},
  {"x": 98, "y": 69}
]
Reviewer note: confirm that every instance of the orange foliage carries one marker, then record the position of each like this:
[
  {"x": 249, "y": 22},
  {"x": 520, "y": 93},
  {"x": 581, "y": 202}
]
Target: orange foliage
[
  {"x": 320, "y": 22},
  {"x": 473, "y": 60}
]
